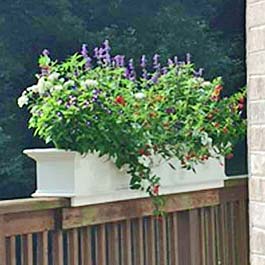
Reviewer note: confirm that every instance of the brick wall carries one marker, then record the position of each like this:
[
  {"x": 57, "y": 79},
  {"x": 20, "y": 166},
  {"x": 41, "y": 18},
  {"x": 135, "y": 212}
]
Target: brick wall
[{"x": 256, "y": 127}]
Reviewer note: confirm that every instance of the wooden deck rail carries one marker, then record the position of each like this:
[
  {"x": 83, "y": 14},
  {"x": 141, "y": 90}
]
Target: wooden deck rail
[{"x": 207, "y": 227}]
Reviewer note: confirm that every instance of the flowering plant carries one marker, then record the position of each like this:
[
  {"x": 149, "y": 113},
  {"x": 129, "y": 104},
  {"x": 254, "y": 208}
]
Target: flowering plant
[{"x": 98, "y": 103}]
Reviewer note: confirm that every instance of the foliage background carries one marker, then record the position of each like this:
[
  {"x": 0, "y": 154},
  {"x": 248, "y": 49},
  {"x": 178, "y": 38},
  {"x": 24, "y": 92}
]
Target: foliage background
[{"x": 211, "y": 30}]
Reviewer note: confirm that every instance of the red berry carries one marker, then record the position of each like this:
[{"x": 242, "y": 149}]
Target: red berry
[
  {"x": 120, "y": 100},
  {"x": 240, "y": 106},
  {"x": 141, "y": 151},
  {"x": 229, "y": 156},
  {"x": 156, "y": 190},
  {"x": 241, "y": 100}
]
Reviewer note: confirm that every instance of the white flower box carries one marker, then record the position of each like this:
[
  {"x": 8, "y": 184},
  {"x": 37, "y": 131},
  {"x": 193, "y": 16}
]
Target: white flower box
[{"x": 90, "y": 179}]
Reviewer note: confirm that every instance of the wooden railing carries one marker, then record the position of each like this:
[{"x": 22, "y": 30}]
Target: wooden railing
[{"x": 202, "y": 228}]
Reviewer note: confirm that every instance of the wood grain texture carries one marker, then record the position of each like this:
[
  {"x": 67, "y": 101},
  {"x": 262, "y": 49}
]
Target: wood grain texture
[
  {"x": 57, "y": 239},
  {"x": 126, "y": 239},
  {"x": 86, "y": 247},
  {"x": 73, "y": 247},
  {"x": 11, "y": 258},
  {"x": 42, "y": 248},
  {"x": 26, "y": 249}
]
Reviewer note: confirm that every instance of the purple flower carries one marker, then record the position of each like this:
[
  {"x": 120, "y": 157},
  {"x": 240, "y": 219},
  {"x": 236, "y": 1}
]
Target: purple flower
[
  {"x": 119, "y": 60},
  {"x": 45, "y": 52},
  {"x": 170, "y": 110},
  {"x": 84, "y": 51},
  {"x": 106, "y": 46},
  {"x": 188, "y": 58},
  {"x": 155, "y": 77},
  {"x": 163, "y": 70},
  {"x": 59, "y": 114},
  {"x": 143, "y": 61},
  {"x": 156, "y": 63},
  {"x": 176, "y": 60},
  {"x": 96, "y": 53},
  {"x": 130, "y": 72},
  {"x": 145, "y": 74},
  {"x": 170, "y": 62}
]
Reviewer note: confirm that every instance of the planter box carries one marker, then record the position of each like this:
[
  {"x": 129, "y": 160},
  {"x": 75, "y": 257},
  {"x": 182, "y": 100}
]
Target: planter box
[{"x": 90, "y": 179}]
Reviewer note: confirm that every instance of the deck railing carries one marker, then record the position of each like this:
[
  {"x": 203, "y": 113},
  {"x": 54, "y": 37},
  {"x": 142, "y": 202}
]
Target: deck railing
[{"x": 207, "y": 227}]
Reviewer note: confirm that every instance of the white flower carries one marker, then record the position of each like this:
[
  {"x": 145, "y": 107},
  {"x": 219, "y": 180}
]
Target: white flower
[
  {"x": 41, "y": 85},
  {"x": 53, "y": 76},
  {"x": 90, "y": 82},
  {"x": 206, "y": 83},
  {"x": 205, "y": 139},
  {"x": 34, "y": 89},
  {"x": 139, "y": 95},
  {"x": 23, "y": 100},
  {"x": 145, "y": 184},
  {"x": 57, "y": 87},
  {"x": 69, "y": 83}
]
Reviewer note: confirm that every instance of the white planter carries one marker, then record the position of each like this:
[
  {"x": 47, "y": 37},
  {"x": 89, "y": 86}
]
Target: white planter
[{"x": 90, "y": 179}]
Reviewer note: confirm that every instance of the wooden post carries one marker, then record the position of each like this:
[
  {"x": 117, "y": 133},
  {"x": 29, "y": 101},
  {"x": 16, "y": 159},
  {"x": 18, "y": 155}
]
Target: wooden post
[{"x": 2, "y": 241}]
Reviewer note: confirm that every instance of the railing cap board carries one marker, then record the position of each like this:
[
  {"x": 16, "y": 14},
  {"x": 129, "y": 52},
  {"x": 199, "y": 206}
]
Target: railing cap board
[
  {"x": 32, "y": 204},
  {"x": 189, "y": 198}
]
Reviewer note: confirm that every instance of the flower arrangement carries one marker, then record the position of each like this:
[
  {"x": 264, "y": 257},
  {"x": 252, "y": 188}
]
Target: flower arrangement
[{"x": 99, "y": 103}]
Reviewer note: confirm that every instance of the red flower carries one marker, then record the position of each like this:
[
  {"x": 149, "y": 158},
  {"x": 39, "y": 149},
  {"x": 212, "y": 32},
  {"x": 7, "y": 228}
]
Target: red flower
[
  {"x": 229, "y": 156},
  {"x": 225, "y": 130},
  {"x": 120, "y": 100},
  {"x": 240, "y": 106},
  {"x": 241, "y": 100},
  {"x": 216, "y": 125},
  {"x": 141, "y": 151},
  {"x": 156, "y": 190}
]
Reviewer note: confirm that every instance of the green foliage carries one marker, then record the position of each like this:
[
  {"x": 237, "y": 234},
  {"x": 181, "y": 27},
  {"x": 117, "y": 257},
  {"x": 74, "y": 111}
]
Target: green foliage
[{"x": 169, "y": 113}]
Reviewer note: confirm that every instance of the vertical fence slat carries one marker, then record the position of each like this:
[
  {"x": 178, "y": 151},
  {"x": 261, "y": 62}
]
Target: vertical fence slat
[
  {"x": 138, "y": 244},
  {"x": 184, "y": 242},
  {"x": 126, "y": 238},
  {"x": 73, "y": 246},
  {"x": 57, "y": 238},
  {"x": 203, "y": 236},
  {"x": 101, "y": 245},
  {"x": 42, "y": 248},
  {"x": 174, "y": 234},
  {"x": 150, "y": 241},
  {"x": 224, "y": 233},
  {"x": 195, "y": 246},
  {"x": 212, "y": 235},
  {"x": 27, "y": 249},
  {"x": 113, "y": 244},
  {"x": 11, "y": 251},
  {"x": 162, "y": 241},
  {"x": 218, "y": 235},
  {"x": 243, "y": 233},
  {"x": 86, "y": 254}
]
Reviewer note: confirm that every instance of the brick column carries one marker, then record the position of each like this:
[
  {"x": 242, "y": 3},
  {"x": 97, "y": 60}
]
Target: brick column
[{"x": 256, "y": 127}]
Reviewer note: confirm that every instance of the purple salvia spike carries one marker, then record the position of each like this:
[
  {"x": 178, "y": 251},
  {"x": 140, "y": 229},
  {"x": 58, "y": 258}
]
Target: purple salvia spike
[
  {"x": 96, "y": 53},
  {"x": 155, "y": 77},
  {"x": 170, "y": 62},
  {"x": 88, "y": 63},
  {"x": 176, "y": 60},
  {"x": 106, "y": 46},
  {"x": 45, "y": 52},
  {"x": 188, "y": 58},
  {"x": 84, "y": 50},
  {"x": 143, "y": 61},
  {"x": 164, "y": 71},
  {"x": 156, "y": 63},
  {"x": 145, "y": 75}
]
